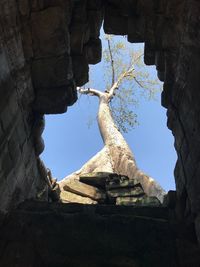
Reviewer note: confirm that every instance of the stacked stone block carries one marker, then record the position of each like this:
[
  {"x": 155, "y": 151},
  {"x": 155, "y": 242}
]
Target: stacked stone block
[{"x": 105, "y": 188}]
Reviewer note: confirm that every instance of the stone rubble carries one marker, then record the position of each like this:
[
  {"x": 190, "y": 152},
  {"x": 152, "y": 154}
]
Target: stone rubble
[{"x": 106, "y": 188}]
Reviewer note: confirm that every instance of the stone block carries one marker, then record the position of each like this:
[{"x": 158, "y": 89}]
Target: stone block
[
  {"x": 170, "y": 199},
  {"x": 49, "y": 32},
  {"x": 79, "y": 35},
  {"x": 114, "y": 22},
  {"x": 94, "y": 4},
  {"x": 121, "y": 183},
  {"x": 191, "y": 38},
  {"x": 68, "y": 197},
  {"x": 172, "y": 36},
  {"x": 55, "y": 100},
  {"x": 150, "y": 36},
  {"x": 24, "y": 7},
  {"x": 93, "y": 51},
  {"x": 161, "y": 75},
  {"x": 149, "y": 54},
  {"x": 126, "y": 7},
  {"x": 79, "y": 13},
  {"x": 39, "y": 5},
  {"x": 138, "y": 201},
  {"x": 160, "y": 61},
  {"x": 136, "y": 29},
  {"x": 95, "y": 19},
  {"x": 96, "y": 179},
  {"x": 84, "y": 190},
  {"x": 188, "y": 253},
  {"x": 22, "y": 255},
  {"x": 51, "y": 72},
  {"x": 126, "y": 192},
  {"x": 145, "y": 8},
  {"x": 80, "y": 69}
]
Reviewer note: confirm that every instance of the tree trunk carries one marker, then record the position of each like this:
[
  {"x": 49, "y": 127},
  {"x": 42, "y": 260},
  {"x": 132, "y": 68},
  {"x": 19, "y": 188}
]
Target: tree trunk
[{"x": 116, "y": 156}]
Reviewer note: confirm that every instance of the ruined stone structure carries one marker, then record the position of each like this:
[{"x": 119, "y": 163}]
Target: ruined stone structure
[{"x": 45, "y": 49}]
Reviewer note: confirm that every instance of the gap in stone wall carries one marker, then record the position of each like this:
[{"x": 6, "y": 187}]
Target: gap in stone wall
[{"x": 69, "y": 143}]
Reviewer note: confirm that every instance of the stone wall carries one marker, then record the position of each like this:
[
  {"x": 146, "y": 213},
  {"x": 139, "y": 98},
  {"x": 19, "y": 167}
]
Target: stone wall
[
  {"x": 19, "y": 175},
  {"x": 45, "y": 49}
]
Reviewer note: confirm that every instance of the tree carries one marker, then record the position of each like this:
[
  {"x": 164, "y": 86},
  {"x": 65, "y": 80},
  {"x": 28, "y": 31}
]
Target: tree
[{"x": 124, "y": 75}]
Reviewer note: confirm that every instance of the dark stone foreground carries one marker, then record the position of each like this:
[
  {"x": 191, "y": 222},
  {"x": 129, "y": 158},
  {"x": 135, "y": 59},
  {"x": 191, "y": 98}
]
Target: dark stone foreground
[{"x": 67, "y": 235}]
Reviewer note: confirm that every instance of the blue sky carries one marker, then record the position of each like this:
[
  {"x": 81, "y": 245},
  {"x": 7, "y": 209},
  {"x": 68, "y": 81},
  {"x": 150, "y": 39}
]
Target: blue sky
[{"x": 69, "y": 143}]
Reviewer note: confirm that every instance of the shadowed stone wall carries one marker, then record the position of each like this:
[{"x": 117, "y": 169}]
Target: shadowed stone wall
[
  {"x": 45, "y": 49},
  {"x": 19, "y": 174}
]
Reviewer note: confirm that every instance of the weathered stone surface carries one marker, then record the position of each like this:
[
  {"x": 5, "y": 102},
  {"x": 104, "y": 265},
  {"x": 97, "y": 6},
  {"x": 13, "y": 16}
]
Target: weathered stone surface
[
  {"x": 136, "y": 29},
  {"x": 121, "y": 183},
  {"x": 170, "y": 199},
  {"x": 96, "y": 179},
  {"x": 51, "y": 72},
  {"x": 114, "y": 22},
  {"x": 93, "y": 51},
  {"x": 76, "y": 187},
  {"x": 80, "y": 69},
  {"x": 126, "y": 192},
  {"x": 16, "y": 97},
  {"x": 138, "y": 201},
  {"x": 69, "y": 197},
  {"x": 95, "y": 17},
  {"x": 98, "y": 238},
  {"x": 49, "y": 33}
]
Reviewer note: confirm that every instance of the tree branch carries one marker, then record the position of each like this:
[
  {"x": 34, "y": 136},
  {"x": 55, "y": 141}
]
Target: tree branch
[
  {"x": 119, "y": 81},
  {"x": 89, "y": 91},
  {"x": 111, "y": 62}
]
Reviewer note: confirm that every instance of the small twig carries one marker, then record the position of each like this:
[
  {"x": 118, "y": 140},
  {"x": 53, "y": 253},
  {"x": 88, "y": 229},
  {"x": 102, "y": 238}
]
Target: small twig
[{"x": 138, "y": 82}]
